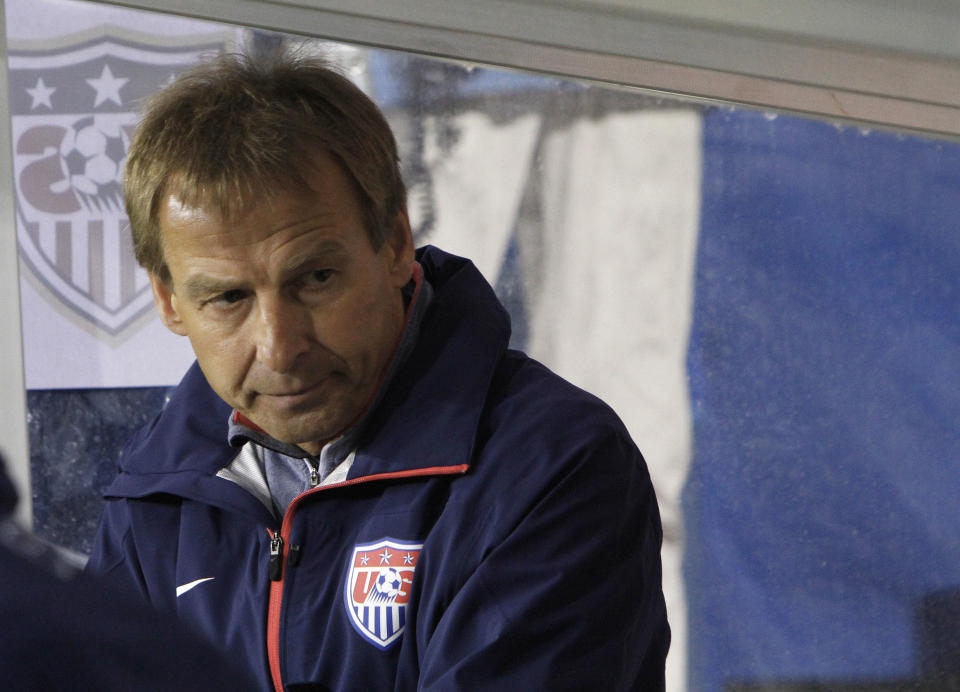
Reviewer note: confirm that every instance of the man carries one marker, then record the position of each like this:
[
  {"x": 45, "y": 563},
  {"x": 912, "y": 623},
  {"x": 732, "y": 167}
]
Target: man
[
  {"x": 358, "y": 486},
  {"x": 64, "y": 631}
]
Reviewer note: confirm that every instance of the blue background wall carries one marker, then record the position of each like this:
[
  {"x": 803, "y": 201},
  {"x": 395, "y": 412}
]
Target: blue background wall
[{"x": 824, "y": 365}]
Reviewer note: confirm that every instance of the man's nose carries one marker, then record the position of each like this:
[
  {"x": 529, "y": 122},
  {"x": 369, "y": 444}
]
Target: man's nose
[{"x": 284, "y": 332}]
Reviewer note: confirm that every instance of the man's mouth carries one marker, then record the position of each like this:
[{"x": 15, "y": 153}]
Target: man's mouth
[{"x": 294, "y": 395}]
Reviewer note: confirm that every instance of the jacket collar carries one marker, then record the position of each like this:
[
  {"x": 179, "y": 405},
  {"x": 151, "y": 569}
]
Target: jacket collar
[
  {"x": 182, "y": 449},
  {"x": 429, "y": 415}
]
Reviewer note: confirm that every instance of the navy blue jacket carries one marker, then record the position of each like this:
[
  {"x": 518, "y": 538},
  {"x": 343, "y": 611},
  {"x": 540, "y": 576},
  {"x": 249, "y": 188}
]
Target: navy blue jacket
[
  {"x": 498, "y": 529},
  {"x": 64, "y": 631}
]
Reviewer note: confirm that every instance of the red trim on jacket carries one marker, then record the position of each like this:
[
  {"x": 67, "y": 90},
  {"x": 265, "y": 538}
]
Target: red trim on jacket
[
  {"x": 276, "y": 587},
  {"x": 243, "y": 420},
  {"x": 273, "y": 621}
]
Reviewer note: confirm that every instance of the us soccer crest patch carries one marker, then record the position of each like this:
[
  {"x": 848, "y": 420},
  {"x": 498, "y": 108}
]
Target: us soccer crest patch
[{"x": 377, "y": 588}]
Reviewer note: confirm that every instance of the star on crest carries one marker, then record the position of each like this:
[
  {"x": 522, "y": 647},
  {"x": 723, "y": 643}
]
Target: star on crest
[
  {"x": 107, "y": 87},
  {"x": 385, "y": 556},
  {"x": 408, "y": 559},
  {"x": 40, "y": 94},
  {"x": 364, "y": 559}
]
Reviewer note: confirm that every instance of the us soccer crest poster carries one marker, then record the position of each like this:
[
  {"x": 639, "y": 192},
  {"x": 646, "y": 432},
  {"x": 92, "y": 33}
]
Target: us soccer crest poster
[{"x": 77, "y": 74}]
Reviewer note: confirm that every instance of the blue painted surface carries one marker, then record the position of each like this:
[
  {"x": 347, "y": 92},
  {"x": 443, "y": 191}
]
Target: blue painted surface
[
  {"x": 824, "y": 363},
  {"x": 75, "y": 442}
]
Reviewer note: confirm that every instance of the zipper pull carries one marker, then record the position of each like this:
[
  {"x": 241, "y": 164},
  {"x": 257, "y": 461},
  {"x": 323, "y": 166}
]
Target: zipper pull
[
  {"x": 314, "y": 477},
  {"x": 276, "y": 557}
]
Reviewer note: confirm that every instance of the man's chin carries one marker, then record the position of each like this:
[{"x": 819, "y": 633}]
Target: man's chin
[
  {"x": 306, "y": 425},
  {"x": 307, "y": 435}
]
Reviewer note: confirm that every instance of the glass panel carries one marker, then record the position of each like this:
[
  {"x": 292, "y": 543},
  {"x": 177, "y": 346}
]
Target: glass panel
[
  {"x": 770, "y": 303},
  {"x": 97, "y": 361}
]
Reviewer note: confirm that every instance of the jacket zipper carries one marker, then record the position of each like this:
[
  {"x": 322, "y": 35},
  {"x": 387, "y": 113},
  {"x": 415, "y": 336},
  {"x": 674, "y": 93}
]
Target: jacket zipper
[
  {"x": 280, "y": 549},
  {"x": 276, "y": 557}
]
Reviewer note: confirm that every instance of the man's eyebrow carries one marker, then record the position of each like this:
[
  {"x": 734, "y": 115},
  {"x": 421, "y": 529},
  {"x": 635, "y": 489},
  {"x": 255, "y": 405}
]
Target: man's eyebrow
[
  {"x": 328, "y": 250},
  {"x": 197, "y": 287}
]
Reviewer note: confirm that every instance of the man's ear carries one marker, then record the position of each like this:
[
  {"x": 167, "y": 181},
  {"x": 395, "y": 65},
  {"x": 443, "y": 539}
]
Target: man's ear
[
  {"x": 166, "y": 303},
  {"x": 400, "y": 241}
]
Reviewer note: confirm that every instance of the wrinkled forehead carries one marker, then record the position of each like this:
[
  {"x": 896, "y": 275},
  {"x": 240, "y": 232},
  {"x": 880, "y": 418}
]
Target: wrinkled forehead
[{"x": 231, "y": 197}]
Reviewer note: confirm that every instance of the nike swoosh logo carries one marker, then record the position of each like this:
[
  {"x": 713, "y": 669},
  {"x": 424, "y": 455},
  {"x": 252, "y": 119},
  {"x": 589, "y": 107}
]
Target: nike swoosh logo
[{"x": 186, "y": 587}]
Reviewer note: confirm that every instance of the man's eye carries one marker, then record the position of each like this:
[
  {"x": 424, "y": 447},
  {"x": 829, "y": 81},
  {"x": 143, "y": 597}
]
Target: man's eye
[
  {"x": 229, "y": 297},
  {"x": 318, "y": 276}
]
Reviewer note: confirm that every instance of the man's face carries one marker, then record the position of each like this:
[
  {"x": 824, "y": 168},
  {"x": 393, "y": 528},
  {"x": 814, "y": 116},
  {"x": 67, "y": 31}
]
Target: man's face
[{"x": 290, "y": 311}]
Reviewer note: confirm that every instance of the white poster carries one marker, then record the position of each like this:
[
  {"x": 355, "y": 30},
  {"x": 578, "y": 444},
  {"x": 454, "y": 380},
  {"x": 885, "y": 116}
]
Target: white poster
[{"x": 76, "y": 73}]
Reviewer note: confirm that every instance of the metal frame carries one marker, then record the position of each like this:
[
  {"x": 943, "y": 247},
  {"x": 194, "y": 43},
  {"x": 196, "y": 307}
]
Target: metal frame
[
  {"x": 850, "y": 60},
  {"x": 13, "y": 427}
]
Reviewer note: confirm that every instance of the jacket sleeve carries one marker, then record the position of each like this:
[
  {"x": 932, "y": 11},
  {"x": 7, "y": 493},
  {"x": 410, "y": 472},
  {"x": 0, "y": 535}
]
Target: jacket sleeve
[
  {"x": 114, "y": 556},
  {"x": 571, "y": 598}
]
